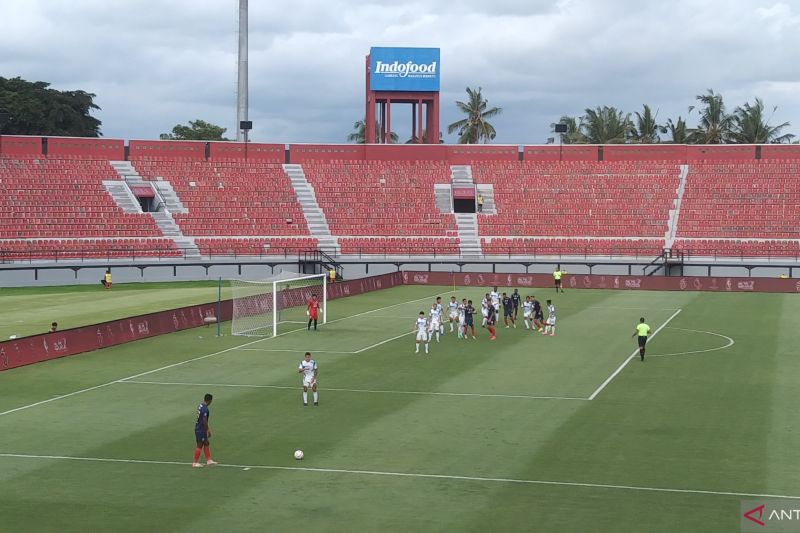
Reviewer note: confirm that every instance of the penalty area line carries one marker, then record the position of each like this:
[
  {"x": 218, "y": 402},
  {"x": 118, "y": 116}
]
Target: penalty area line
[
  {"x": 367, "y": 391},
  {"x": 193, "y": 359},
  {"x": 628, "y": 360},
  {"x": 417, "y": 475}
]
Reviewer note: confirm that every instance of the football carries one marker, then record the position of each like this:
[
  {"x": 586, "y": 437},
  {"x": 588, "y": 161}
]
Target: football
[{"x": 298, "y": 454}]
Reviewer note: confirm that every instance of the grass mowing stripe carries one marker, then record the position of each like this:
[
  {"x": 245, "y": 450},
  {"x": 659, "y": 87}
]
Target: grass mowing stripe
[
  {"x": 628, "y": 360},
  {"x": 412, "y": 475},
  {"x": 193, "y": 359},
  {"x": 421, "y": 393}
]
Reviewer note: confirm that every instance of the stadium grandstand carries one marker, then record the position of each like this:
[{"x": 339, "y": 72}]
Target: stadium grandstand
[{"x": 85, "y": 199}]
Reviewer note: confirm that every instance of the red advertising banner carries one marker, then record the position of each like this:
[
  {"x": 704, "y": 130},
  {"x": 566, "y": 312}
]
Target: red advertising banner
[
  {"x": 29, "y": 350},
  {"x": 579, "y": 281}
]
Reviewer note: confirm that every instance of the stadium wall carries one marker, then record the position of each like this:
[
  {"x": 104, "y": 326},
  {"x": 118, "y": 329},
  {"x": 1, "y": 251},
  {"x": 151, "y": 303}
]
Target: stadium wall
[
  {"x": 593, "y": 281},
  {"x": 47, "y": 346}
]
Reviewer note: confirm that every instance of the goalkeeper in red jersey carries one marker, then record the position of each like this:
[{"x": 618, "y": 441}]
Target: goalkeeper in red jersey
[{"x": 312, "y": 311}]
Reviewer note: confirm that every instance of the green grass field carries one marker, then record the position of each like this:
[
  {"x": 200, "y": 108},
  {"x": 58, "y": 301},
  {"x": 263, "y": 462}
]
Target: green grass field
[
  {"x": 527, "y": 433},
  {"x": 30, "y": 310}
]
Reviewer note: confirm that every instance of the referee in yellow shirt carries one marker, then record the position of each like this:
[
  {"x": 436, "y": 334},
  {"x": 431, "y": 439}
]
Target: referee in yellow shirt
[
  {"x": 557, "y": 278},
  {"x": 642, "y": 332}
]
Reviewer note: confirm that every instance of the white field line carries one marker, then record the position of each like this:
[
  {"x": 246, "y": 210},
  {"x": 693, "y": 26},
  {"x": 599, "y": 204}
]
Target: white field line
[
  {"x": 328, "y": 351},
  {"x": 628, "y": 360},
  {"x": 290, "y": 351},
  {"x": 418, "y": 393},
  {"x": 173, "y": 365},
  {"x": 417, "y": 475},
  {"x": 731, "y": 342},
  {"x": 384, "y": 342}
]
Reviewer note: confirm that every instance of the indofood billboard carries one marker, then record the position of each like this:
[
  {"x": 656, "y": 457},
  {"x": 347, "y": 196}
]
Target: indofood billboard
[{"x": 404, "y": 69}]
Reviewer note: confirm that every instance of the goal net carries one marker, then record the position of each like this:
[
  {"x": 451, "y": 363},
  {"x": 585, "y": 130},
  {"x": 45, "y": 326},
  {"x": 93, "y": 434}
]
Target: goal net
[{"x": 260, "y": 307}]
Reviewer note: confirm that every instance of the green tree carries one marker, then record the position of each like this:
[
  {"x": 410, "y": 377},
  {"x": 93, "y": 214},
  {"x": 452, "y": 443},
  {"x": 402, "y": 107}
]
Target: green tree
[
  {"x": 197, "y": 130},
  {"x": 678, "y": 132},
  {"x": 37, "y": 109},
  {"x": 646, "y": 129},
  {"x": 573, "y": 134},
  {"x": 606, "y": 125},
  {"x": 475, "y": 127},
  {"x": 360, "y": 133},
  {"x": 751, "y": 127},
  {"x": 716, "y": 124}
]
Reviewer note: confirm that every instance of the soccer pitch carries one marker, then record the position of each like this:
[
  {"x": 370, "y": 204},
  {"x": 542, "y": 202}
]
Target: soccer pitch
[{"x": 526, "y": 433}]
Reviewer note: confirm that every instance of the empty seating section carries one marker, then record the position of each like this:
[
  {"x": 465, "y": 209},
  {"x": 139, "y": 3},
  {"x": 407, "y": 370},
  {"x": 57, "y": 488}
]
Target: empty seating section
[
  {"x": 579, "y": 199},
  {"x": 256, "y": 246},
  {"x": 738, "y": 248},
  {"x": 380, "y": 198},
  {"x": 57, "y": 249},
  {"x": 400, "y": 246},
  {"x": 230, "y": 197},
  {"x": 577, "y": 246},
  {"x": 60, "y": 197},
  {"x": 742, "y": 200}
]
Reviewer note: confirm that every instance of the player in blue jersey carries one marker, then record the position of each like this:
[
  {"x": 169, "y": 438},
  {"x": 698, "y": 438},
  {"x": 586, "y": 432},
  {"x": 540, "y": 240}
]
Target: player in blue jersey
[
  {"x": 469, "y": 320},
  {"x": 508, "y": 310},
  {"x": 516, "y": 299},
  {"x": 202, "y": 432}
]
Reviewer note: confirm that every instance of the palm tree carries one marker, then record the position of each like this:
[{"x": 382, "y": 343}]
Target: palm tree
[
  {"x": 475, "y": 127},
  {"x": 646, "y": 129},
  {"x": 360, "y": 132},
  {"x": 716, "y": 125},
  {"x": 677, "y": 131},
  {"x": 606, "y": 125},
  {"x": 573, "y": 134},
  {"x": 750, "y": 126}
]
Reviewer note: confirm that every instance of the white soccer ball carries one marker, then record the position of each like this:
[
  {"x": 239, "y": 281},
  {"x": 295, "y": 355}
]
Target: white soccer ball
[{"x": 298, "y": 454}]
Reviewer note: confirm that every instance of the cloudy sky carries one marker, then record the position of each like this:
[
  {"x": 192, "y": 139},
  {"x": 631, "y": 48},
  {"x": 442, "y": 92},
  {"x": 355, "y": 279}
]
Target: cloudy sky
[{"x": 154, "y": 64}]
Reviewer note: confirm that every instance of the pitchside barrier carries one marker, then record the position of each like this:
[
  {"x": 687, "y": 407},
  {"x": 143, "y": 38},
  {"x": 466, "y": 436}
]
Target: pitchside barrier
[
  {"x": 29, "y": 350},
  {"x": 38, "y": 348}
]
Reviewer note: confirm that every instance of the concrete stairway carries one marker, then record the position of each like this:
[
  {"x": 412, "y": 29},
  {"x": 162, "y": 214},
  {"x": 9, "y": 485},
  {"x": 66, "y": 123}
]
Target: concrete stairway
[
  {"x": 674, "y": 214},
  {"x": 468, "y": 234},
  {"x": 167, "y": 202},
  {"x": 444, "y": 198},
  {"x": 123, "y": 196},
  {"x": 315, "y": 218}
]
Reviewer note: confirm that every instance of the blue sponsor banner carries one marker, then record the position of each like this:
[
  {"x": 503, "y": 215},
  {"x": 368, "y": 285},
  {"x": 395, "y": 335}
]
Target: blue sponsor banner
[{"x": 404, "y": 69}]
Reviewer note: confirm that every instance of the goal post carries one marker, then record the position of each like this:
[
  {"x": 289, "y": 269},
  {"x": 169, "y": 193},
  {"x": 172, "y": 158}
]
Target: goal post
[{"x": 260, "y": 307}]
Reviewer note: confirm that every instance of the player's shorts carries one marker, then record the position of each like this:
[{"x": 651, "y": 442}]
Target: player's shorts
[
  {"x": 454, "y": 315},
  {"x": 508, "y": 312},
  {"x": 539, "y": 316},
  {"x": 642, "y": 341},
  {"x": 434, "y": 325},
  {"x": 485, "y": 313},
  {"x": 422, "y": 335},
  {"x": 469, "y": 322},
  {"x": 526, "y": 314},
  {"x": 200, "y": 437},
  {"x": 496, "y": 306},
  {"x": 551, "y": 321},
  {"x": 557, "y": 282},
  {"x": 309, "y": 381}
]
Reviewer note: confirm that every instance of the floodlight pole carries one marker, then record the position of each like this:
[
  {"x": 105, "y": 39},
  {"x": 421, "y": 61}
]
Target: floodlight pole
[{"x": 242, "y": 87}]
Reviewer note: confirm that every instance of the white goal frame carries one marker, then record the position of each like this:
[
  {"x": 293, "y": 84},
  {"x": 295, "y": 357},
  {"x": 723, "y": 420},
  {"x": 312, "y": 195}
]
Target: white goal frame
[{"x": 275, "y": 287}]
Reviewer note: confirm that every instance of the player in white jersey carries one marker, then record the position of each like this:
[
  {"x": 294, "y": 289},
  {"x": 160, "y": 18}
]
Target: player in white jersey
[
  {"x": 452, "y": 307},
  {"x": 495, "y": 300},
  {"x": 485, "y": 303},
  {"x": 550, "y": 326},
  {"x": 308, "y": 367},
  {"x": 527, "y": 311},
  {"x": 422, "y": 331},
  {"x": 462, "y": 332},
  {"x": 441, "y": 316},
  {"x": 435, "y": 316}
]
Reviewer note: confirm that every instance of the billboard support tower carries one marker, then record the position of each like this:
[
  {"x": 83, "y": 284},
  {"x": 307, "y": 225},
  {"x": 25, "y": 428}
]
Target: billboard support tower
[
  {"x": 402, "y": 76},
  {"x": 242, "y": 86}
]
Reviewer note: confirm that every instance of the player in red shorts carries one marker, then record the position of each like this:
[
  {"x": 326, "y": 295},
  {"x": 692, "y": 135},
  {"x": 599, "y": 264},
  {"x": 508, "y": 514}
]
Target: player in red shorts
[{"x": 313, "y": 312}]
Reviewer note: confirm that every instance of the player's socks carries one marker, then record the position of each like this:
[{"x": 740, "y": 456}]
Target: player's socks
[
  {"x": 441, "y": 328},
  {"x": 553, "y": 331},
  {"x": 451, "y": 327},
  {"x": 316, "y": 397},
  {"x": 426, "y": 347},
  {"x": 196, "y": 456},
  {"x": 437, "y": 335},
  {"x": 305, "y": 398},
  {"x": 417, "y": 350},
  {"x": 207, "y": 453}
]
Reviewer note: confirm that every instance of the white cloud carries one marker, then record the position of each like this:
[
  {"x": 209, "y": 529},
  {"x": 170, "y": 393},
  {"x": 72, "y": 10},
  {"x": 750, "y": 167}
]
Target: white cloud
[{"x": 153, "y": 65}]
